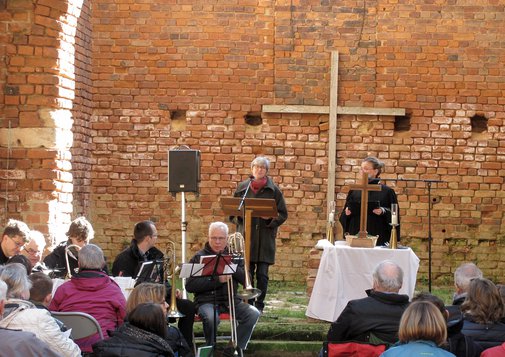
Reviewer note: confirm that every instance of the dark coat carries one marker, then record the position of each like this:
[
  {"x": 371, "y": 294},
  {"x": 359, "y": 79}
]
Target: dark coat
[
  {"x": 129, "y": 261},
  {"x": 205, "y": 288},
  {"x": 485, "y": 335},
  {"x": 3, "y": 257},
  {"x": 376, "y": 316},
  {"x": 263, "y": 231},
  {"x": 56, "y": 260},
  {"x": 376, "y": 224},
  {"x": 129, "y": 340},
  {"x": 459, "y": 344}
]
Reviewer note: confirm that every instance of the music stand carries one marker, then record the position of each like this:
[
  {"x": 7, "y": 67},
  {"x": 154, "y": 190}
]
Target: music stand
[
  {"x": 213, "y": 266},
  {"x": 150, "y": 271},
  {"x": 252, "y": 207}
]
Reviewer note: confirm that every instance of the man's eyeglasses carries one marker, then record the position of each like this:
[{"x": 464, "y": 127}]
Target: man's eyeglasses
[
  {"x": 31, "y": 251},
  {"x": 218, "y": 238},
  {"x": 17, "y": 243}
]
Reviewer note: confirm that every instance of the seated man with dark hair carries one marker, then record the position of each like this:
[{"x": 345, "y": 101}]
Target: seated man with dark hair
[
  {"x": 375, "y": 318},
  {"x": 14, "y": 237}
]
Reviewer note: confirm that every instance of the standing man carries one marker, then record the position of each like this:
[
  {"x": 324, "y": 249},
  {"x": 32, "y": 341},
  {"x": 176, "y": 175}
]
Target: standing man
[
  {"x": 263, "y": 230},
  {"x": 142, "y": 248},
  {"x": 14, "y": 237},
  {"x": 210, "y": 290}
]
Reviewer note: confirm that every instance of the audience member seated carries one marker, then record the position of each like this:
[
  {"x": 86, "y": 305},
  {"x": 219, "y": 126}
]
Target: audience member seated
[
  {"x": 501, "y": 289},
  {"x": 14, "y": 237},
  {"x": 152, "y": 292},
  {"x": 422, "y": 331},
  {"x": 16, "y": 343},
  {"x": 214, "y": 289},
  {"x": 143, "y": 335},
  {"x": 143, "y": 248},
  {"x": 462, "y": 277},
  {"x": 457, "y": 343},
  {"x": 375, "y": 318},
  {"x": 498, "y": 351},
  {"x": 23, "y": 315},
  {"x": 483, "y": 310},
  {"x": 79, "y": 233},
  {"x": 41, "y": 291},
  {"x": 34, "y": 249},
  {"x": 92, "y": 291}
]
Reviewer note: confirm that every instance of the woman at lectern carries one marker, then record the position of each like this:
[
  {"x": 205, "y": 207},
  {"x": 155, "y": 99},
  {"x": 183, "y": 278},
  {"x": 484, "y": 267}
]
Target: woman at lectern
[
  {"x": 379, "y": 205},
  {"x": 263, "y": 230}
]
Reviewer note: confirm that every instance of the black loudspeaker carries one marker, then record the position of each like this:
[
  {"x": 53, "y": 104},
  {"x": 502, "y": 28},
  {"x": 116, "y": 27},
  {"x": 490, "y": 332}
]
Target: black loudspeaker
[{"x": 183, "y": 170}]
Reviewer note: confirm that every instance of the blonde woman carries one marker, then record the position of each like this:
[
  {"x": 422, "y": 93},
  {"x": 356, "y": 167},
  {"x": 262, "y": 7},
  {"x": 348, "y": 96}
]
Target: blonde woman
[
  {"x": 422, "y": 331},
  {"x": 155, "y": 293}
]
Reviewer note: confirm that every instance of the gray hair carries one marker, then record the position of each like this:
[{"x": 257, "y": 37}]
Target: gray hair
[
  {"x": 464, "y": 274},
  {"x": 261, "y": 161},
  {"x": 388, "y": 276},
  {"x": 3, "y": 291},
  {"x": 218, "y": 226},
  {"x": 376, "y": 164},
  {"x": 38, "y": 238},
  {"x": 14, "y": 275},
  {"x": 91, "y": 257}
]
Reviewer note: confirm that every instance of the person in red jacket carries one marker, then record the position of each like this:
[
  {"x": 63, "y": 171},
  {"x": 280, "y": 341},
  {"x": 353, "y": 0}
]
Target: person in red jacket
[{"x": 92, "y": 291}]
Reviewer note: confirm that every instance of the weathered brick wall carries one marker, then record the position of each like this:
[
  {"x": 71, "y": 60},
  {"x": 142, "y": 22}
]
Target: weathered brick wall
[
  {"x": 193, "y": 73},
  {"x": 38, "y": 94}
]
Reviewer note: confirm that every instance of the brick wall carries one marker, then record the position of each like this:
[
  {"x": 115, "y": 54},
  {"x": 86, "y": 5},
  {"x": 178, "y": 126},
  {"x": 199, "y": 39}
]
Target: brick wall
[{"x": 192, "y": 73}]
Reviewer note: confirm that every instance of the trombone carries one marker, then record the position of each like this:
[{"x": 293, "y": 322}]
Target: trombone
[
  {"x": 69, "y": 252},
  {"x": 236, "y": 246},
  {"x": 169, "y": 264}
]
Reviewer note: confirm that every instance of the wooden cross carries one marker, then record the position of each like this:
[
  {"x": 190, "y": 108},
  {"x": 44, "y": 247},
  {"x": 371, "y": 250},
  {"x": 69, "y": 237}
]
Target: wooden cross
[
  {"x": 364, "y": 187},
  {"x": 333, "y": 109}
]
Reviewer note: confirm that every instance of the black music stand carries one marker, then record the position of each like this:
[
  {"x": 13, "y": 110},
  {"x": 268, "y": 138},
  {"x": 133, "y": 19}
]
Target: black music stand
[
  {"x": 150, "y": 271},
  {"x": 213, "y": 266}
]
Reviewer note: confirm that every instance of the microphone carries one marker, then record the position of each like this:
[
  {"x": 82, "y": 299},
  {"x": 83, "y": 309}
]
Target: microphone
[{"x": 251, "y": 178}]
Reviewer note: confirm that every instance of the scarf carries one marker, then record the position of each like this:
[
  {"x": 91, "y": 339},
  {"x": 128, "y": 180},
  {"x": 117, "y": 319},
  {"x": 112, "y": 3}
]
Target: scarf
[{"x": 257, "y": 185}]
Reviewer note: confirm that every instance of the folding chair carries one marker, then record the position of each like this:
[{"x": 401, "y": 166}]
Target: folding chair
[
  {"x": 352, "y": 349},
  {"x": 82, "y": 324}
]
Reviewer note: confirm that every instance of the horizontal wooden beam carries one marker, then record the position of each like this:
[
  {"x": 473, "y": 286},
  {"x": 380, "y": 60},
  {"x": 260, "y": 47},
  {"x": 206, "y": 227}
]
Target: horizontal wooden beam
[{"x": 316, "y": 109}]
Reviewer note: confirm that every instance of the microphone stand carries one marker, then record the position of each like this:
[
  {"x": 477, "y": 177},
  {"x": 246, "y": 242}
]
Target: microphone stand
[{"x": 428, "y": 185}]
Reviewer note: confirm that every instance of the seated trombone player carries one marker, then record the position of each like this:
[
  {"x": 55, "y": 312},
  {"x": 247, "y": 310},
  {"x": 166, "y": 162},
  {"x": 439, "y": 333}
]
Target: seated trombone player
[{"x": 210, "y": 290}]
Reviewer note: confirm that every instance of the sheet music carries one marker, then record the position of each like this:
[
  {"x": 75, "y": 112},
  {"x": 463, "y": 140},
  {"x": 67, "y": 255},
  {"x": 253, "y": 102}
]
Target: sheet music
[
  {"x": 126, "y": 284},
  {"x": 189, "y": 270},
  {"x": 57, "y": 282}
]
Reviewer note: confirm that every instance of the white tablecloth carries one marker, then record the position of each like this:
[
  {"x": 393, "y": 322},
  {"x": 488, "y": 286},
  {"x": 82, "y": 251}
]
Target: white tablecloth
[{"x": 345, "y": 273}]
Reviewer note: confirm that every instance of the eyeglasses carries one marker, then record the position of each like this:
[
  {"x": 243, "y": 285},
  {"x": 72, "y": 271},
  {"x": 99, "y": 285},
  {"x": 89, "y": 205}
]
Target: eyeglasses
[
  {"x": 31, "y": 251},
  {"x": 260, "y": 167},
  {"x": 218, "y": 238},
  {"x": 17, "y": 243}
]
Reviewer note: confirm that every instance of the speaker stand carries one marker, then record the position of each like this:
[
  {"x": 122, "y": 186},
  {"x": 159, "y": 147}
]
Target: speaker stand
[{"x": 184, "y": 226}]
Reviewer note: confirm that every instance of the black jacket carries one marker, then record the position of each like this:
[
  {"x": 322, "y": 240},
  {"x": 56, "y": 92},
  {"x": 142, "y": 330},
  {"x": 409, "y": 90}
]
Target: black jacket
[
  {"x": 3, "y": 257},
  {"x": 57, "y": 261},
  {"x": 263, "y": 231},
  {"x": 459, "y": 344},
  {"x": 205, "y": 288},
  {"x": 485, "y": 335},
  {"x": 128, "y": 262},
  {"x": 376, "y": 316},
  {"x": 129, "y": 340},
  {"x": 376, "y": 224}
]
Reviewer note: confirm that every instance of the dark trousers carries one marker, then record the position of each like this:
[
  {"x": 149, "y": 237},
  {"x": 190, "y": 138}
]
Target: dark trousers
[
  {"x": 259, "y": 273},
  {"x": 185, "y": 324}
]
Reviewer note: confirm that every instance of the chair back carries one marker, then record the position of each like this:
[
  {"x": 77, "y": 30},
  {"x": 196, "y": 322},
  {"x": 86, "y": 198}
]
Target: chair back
[
  {"x": 352, "y": 349},
  {"x": 82, "y": 324}
]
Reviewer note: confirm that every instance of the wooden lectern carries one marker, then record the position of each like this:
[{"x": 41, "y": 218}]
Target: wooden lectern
[{"x": 254, "y": 207}]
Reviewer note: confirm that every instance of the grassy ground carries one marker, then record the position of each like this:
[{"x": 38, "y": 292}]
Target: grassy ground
[{"x": 284, "y": 330}]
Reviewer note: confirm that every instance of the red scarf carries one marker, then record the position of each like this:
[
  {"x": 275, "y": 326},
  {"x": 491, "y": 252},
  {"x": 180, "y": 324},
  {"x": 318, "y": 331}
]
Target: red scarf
[{"x": 257, "y": 185}]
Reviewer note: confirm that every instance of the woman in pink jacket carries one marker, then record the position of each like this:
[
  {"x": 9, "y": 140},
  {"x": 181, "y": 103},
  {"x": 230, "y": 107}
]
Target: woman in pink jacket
[{"x": 92, "y": 291}]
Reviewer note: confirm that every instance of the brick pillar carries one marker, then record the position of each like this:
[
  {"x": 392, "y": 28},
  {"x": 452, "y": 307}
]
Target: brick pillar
[{"x": 35, "y": 130}]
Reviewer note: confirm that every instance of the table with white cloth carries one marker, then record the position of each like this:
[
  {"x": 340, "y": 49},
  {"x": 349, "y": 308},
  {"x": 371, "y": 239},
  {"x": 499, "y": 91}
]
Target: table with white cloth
[{"x": 345, "y": 273}]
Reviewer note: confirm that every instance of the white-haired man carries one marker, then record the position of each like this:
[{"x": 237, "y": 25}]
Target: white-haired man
[
  {"x": 375, "y": 318},
  {"x": 211, "y": 292}
]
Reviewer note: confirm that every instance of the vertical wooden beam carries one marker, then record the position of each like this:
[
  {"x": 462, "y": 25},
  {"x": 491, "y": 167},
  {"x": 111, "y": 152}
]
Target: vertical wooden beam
[{"x": 332, "y": 134}]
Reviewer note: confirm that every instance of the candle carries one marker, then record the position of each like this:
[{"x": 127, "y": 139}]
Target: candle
[
  {"x": 332, "y": 217},
  {"x": 394, "y": 213}
]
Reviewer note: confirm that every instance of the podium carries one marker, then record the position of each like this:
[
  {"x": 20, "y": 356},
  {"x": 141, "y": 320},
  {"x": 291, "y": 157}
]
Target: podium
[{"x": 252, "y": 207}]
